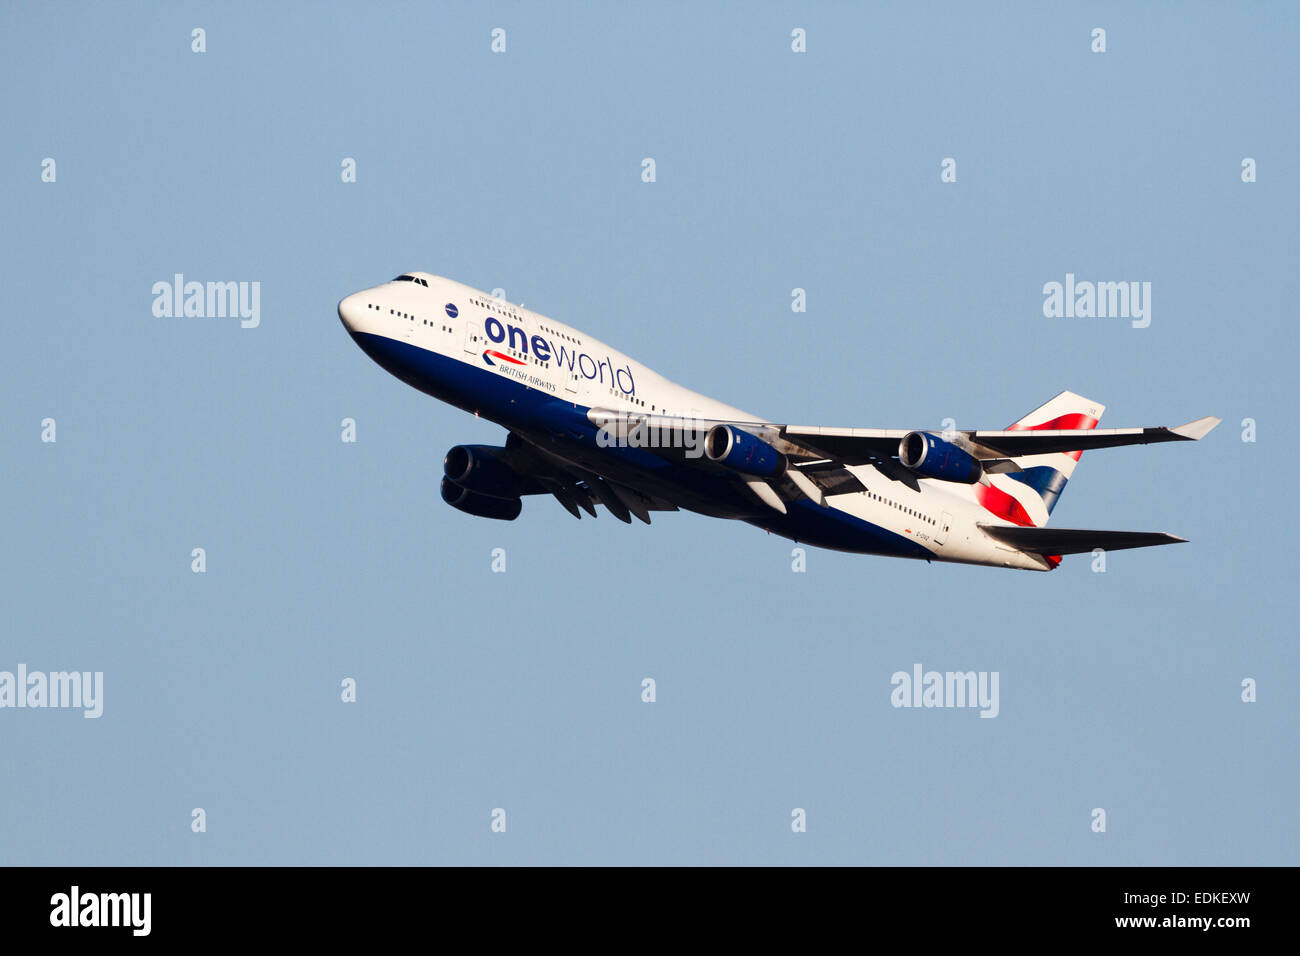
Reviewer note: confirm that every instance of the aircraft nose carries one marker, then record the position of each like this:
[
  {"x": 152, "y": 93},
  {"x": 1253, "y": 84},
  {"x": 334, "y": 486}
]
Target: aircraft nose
[{"x": 350, "y": 309}]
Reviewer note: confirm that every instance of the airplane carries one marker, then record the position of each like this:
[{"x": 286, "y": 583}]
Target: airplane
[{"x": 589, "y": 425}]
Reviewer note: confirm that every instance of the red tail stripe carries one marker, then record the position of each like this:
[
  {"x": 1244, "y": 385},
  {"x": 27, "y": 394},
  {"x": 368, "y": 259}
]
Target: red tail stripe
[{"x": 1002, "y": 504}]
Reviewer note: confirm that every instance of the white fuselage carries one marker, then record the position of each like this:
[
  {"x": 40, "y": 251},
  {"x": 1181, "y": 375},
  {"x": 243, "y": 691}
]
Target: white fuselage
[{"x": 544, "y": 358}]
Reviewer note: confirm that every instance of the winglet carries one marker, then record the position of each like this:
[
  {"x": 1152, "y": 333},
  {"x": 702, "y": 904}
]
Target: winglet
[{"x": 1195, "y": 431}]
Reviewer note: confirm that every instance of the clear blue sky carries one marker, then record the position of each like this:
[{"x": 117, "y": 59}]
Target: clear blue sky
[{"x": 522, "y": 690}]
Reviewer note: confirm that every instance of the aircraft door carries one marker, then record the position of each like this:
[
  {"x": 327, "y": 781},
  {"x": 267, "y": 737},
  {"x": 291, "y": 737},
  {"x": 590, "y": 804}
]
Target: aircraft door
[
  {"x": 474, "y": 338},
  {"x": 945, "y": 523}
]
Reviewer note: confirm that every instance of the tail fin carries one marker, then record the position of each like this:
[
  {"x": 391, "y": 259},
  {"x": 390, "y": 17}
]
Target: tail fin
[{"x": 1045, "y": 475}]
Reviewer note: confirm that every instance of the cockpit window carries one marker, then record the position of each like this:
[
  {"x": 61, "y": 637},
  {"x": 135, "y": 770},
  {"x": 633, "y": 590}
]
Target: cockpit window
[{"x": 411, "y": 278}]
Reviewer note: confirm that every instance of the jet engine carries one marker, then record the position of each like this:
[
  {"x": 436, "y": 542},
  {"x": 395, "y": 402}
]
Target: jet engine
[
  {"x": 932, "y": 457},
  {"x": 479, "y": 468},
  {"x": 739, "y": 450},
  {"x": 480, "y": 505}
]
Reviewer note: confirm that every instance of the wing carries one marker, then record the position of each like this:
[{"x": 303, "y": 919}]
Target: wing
[
  {"x": 857, "y": 445},
  {"x": 816, "y": 458},
  {"x": 576, "y": 489}
]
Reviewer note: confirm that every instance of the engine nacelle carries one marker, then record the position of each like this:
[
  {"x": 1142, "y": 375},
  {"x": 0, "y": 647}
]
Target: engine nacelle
[
  {"x": 479, "y": 468},
  {"x": 479, "y": 505},
  {"x": 743, "y": 452},
  {"x": 932, "y": 457}
]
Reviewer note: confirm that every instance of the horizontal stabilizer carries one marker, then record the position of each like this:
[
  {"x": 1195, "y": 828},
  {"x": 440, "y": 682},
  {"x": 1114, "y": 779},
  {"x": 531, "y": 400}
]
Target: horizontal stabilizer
[
  {"x": 1076, "y": 541},
  {"x": 1018, "y": 443},
  {"x": 1195, "y": 431}
]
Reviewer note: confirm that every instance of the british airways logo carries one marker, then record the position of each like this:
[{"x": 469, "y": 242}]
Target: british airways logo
[
  {"x": 490, "y": 354},
  {"x": 569, "y": 360}
]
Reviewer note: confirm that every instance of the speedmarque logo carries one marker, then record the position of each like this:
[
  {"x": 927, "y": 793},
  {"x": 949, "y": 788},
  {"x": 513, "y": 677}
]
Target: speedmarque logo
[{"x": 102, "y": 909}]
